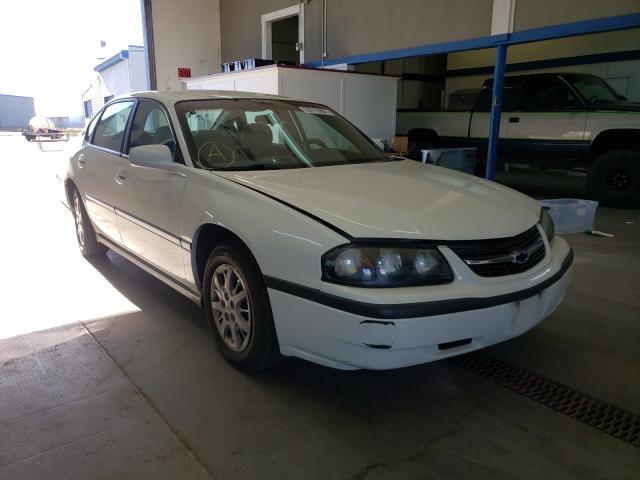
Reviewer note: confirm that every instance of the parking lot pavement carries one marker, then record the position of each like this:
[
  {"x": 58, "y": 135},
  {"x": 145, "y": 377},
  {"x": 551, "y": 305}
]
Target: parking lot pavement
[{"x": 107, "y": 373}]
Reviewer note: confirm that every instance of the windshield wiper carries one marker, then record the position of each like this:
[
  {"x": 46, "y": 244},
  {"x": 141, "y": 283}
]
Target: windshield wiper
[{"x": 257, "y": 166}]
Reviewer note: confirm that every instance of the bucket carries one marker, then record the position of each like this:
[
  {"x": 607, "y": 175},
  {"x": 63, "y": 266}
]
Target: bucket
[{"x": 571, "y": 215}]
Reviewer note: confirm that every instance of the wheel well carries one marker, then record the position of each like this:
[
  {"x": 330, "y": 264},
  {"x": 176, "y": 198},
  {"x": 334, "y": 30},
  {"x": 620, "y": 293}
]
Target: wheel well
[
  {"x": 423, "y": 135},
  {"x": 207, "y": 237},
  {"x": 628, "y": 139},
  {"x": 69, "y": 187}
]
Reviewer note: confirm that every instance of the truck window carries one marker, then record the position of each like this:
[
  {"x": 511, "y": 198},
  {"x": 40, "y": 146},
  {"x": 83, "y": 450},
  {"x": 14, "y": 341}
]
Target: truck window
[
  {"x": 547, "y": 94},
  {"x": 510, "y": 99}
]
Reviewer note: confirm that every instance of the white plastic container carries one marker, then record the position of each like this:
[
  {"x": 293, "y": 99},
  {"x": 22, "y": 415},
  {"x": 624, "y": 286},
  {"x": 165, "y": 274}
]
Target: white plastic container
[{"x": 571, "y": 215}]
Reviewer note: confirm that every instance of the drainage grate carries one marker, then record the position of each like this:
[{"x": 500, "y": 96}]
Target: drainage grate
[{"x": 603, "y": 416}]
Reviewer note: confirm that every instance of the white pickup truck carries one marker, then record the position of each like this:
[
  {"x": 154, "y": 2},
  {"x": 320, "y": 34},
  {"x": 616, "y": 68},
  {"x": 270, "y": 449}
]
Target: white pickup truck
[{"x": 551, "y": 120}]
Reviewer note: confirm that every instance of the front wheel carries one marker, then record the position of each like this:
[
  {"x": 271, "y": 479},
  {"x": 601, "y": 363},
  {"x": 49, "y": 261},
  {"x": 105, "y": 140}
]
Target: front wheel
[
  {"x": 237, "y": 308},
  {"x": 85, "y": 234},
  {"x": 614, "y": 179}
]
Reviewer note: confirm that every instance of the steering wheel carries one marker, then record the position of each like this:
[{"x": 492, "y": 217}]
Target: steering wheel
[
  {"x": 283, "y": 160},
  {"x": 593, "y": 99},
  {"x": 316, "y": 141}
]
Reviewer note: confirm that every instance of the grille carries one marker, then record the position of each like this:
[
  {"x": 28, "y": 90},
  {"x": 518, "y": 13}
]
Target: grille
[
  {"x": 501, "y": 256},
  {"x": 603, "y": 416}
]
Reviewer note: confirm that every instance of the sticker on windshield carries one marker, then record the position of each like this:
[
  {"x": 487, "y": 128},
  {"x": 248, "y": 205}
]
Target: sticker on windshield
[{"x": 317, "y": 111}]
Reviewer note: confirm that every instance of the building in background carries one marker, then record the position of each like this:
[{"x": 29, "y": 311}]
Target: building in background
[
  {"x": 121, "y": 74},
  {"x": 15, "y": 111}
]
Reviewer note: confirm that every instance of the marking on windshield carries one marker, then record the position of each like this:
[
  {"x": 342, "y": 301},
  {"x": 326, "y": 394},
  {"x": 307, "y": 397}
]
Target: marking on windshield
[
  {"x": 216, "y": 154},
  {"x": 318, "y": 111}
]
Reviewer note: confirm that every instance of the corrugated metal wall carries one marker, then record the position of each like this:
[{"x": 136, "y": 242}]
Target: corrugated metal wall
[{"x": 15, "y": 111}]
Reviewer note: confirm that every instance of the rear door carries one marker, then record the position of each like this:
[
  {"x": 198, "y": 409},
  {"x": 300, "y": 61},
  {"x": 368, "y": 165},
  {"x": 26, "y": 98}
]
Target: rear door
[
  {"x": 149, "y": 198},
  {"x": 550, "y": 124},
  {"x": 97, "y": 167}
]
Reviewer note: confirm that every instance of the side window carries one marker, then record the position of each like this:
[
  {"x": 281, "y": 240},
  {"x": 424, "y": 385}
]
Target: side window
[
  {"x": 90, "y": 128},
  {"x": 483, "y": 103},
  {"x": 510, "y": 99},
  {"x": 547, "y": 94},
  {"x": 151, "y": 127},
  {"x": 110, "y": 128}
]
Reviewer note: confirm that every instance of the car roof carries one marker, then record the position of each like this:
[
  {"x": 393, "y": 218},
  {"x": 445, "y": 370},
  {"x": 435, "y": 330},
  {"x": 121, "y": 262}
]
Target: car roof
[
  {"x": 174, "y": 96},
  {"x": 510, "y": 79}
]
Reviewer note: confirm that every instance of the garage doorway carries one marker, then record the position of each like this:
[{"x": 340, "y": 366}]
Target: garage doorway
[{"x": 283, "y": 34}]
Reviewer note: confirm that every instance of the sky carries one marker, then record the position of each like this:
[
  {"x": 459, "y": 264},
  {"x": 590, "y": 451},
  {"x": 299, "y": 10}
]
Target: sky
[{"x": 48, "y": 49}]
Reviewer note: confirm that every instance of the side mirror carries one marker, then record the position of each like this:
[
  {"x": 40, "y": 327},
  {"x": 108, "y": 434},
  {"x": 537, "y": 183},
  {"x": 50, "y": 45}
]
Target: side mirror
[{"x": 150, "y": 155}]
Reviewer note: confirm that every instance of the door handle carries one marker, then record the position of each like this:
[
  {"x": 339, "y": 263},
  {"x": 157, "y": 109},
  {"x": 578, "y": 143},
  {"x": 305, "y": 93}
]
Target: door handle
[
  {"x": 82, "y": 162},
  {"x": 514, "y": 119},
  {"x": 121, "y": 178}
]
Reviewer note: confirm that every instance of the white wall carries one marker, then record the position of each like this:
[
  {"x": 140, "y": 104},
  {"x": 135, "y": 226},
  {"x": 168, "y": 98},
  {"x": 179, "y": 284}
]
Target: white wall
[
  {"x": 137, "y": 70},
  {"x": 116, "y": 79},
  {"x": 186, "y": 33},
  {"x": 624, "y": 76}
]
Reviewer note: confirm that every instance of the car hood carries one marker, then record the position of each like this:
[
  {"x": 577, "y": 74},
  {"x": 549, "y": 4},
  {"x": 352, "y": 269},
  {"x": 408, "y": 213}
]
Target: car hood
[{"x": 399, "y": 199}]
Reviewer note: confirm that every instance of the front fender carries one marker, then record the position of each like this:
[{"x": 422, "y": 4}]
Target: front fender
[{"x": 285, "y": 242}]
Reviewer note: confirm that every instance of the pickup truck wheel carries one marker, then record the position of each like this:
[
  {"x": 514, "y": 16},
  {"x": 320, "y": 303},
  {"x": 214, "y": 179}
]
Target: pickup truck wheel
[
  {"x": 86, "y": 235},
  {"x": 614, "y": 179},
  {"x": 237, "y": 309},
  {"x": 30, "y": 138}
]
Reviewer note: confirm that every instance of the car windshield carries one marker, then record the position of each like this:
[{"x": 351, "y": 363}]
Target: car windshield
[
  {"x": 260, "y": 134},
  {"x": 594, "y": 90}
]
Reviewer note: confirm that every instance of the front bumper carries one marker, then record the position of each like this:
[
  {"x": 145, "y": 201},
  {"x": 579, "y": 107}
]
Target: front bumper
[{"x": 343, "y": 334}]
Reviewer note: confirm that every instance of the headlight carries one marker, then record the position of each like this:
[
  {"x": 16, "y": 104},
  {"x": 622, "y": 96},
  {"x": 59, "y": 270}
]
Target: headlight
[
  {"x": 385, "y": 266},
  {"x": 547, "y": 224}
]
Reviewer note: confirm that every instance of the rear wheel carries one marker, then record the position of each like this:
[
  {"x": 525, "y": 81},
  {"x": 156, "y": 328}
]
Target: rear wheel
[
  {"x": 86, "y": 235},
  {"x": 614, "y": 179},
  {"x": 237, "y": 308}
]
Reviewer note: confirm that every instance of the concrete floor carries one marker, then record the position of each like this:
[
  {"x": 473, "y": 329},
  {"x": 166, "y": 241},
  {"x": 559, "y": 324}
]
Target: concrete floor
[{"x": 107, "y": 373}]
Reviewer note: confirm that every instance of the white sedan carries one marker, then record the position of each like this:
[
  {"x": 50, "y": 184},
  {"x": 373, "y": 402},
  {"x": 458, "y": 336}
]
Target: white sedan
[{"x": 300, "y": 237}]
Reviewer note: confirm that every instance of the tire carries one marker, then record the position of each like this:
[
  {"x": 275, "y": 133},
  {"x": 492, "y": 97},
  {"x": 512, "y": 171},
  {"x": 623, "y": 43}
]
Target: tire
[
  {"x": 85, "y": 234},
  {"x": 243, "y": 326},
  {"x": 30, "y": 138},
  {"x": 614, "y": 179}
]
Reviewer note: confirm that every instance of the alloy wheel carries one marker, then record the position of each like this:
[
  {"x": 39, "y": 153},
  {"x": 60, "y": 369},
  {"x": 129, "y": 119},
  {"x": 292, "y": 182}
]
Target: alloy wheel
[
  {"x": 231, "y": 307},
  {"x": 77, "y": 215}
]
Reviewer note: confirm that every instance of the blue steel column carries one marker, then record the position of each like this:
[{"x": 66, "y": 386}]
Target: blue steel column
[{"x": 496, "y": 109}]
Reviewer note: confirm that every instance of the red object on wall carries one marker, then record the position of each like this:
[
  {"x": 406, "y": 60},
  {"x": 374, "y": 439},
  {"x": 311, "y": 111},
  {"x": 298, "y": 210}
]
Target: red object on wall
[{"x": 184, "y": 72}]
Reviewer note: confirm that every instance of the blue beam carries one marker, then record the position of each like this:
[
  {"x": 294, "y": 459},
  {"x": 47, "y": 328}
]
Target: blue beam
[
  {"x": 496, "y": 110},
  {"x": 582, "y": 27}
]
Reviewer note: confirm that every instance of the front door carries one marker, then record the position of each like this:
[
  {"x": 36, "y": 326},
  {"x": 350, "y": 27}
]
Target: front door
[
  {"x": 550, "y": 124},
  {"x": 149, "y": 198},
  {"x": 97, "y": 167}
]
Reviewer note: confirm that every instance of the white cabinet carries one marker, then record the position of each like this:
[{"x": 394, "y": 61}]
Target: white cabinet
[{"x": 367, "y": 100}]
